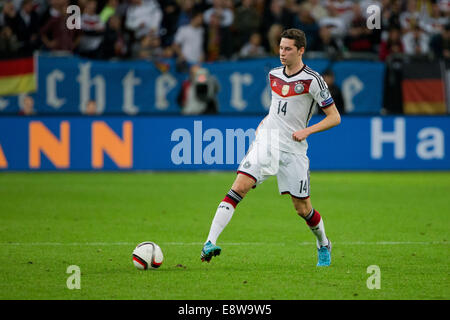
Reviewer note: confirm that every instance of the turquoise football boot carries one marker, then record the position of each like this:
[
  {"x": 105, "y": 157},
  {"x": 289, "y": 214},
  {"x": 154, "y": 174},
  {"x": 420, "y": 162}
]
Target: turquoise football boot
[
  {"x": 209, "y": 250},
  {"x": 324, "y": 255}
]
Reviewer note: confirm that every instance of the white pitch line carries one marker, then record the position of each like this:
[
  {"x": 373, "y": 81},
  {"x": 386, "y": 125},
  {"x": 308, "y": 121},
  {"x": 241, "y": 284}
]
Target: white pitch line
[{"x": 224, "y": 243}]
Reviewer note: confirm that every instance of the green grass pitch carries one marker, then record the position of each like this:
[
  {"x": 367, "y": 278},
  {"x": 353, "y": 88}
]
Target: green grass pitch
[{"x": 398, "y": 221}]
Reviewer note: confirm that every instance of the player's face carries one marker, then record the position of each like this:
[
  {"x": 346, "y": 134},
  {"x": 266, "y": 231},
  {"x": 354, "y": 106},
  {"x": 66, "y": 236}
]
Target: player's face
[{"x": 289, "y": 53}]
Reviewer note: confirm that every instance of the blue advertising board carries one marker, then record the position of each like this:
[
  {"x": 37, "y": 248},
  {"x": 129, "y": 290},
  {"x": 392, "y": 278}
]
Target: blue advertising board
[
  {"x": 214, "y": 143},
  {"x": 66, "y": 84}
]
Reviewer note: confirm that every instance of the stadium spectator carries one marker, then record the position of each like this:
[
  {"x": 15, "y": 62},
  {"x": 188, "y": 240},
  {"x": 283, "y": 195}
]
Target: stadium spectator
[
  {"x": 416, "y": 42},
  {"x": 342, "y": 9},
  {"x": 122, "y": 9},
  {"x": 27, "y": 108},
  {"x": 359, "y": 38},
  {"x": 213, "y": 38},
  {"x": 82, "y": 4},
  {"x": 171, "y": 12},
  {"x": 188, "y": 42},
  {"x": 91, "y": 108},
  {"x": 219, "y": 19},
  {"x": 225, "y": 14},
  {"x": 108, "y": 10},
  {"x": 149, "y": 47},
  {"x": 40, "y": 6},
  {"x": 305, "y": 22},
  {"x": 229, "y": 4},
  {"x": 393, "y": 44},
  {"x": 335, "y": 91},
  {"x": 28, "y": 27},
  {"x": 273, "y": 36},
  {"x": 16, "y": 3},
  {"x": 9, "y": 44},
  {"x": 409, "y": 18},
  {"x": 332, "y": 47},
  {"x": 54, "y": 34},
  {"x": 9, "y": 17},
  {"x": 259, "y": 7},
  {"x": 315, "y": 8},
  {"x": 183, "y": 94},
  {"x": 50, "y": 8},
  {"x": 424, "y": 7},
  {"x": 390, "y": 17},
  {"x": 435, "y": 23},
  {"x": 336, "y": 23},
  {"x": 92, "y": 31},
  {"x": 440, "y": 44},
  {"x": 276, "y": 13},
  {"x": 115, "y": 42},
  {"x": 444, "y": 5},
  {"x": 143, "y": 17},
  {"x": 246, "y": 23},
  {"x": 253, "y": 48},
  {"x": 185, "y": 15},
  {"x": 199, "y": 93}
]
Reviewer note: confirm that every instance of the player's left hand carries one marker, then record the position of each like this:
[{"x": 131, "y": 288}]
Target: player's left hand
[{"x": 300, "y": 135}]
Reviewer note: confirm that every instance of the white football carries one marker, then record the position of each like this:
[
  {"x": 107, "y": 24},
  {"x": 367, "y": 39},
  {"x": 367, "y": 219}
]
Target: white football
[{"x": 147, "y": 255}]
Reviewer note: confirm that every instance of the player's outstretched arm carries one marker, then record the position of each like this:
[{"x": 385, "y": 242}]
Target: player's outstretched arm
[{"x": 332, "y": 119}]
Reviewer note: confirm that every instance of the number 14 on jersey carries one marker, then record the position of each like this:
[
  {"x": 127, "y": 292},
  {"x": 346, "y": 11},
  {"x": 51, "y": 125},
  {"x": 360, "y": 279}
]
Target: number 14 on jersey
[{"x": 282, "y": 108}]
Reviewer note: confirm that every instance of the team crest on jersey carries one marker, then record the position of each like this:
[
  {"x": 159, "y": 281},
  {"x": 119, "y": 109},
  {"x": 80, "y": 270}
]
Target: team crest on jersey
[
  {"x": 299, "y": 88},
  {"x": 285, "y": 90},
  {"x": 324, "y": 93}
]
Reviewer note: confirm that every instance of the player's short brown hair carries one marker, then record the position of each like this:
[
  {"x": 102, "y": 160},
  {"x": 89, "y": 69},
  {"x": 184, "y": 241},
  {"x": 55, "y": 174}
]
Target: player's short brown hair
[{"x": 297, "y": 35}]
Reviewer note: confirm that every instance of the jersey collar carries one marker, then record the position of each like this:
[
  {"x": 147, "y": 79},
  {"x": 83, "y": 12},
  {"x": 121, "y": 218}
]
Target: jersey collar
[{"x": 293, "y": 75}]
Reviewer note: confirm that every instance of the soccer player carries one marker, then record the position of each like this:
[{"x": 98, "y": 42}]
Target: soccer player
[{"x": 280, "y": 144}]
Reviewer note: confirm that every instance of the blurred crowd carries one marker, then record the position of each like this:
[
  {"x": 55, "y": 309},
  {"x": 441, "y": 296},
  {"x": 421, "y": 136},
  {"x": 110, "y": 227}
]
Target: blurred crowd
[{"x": 194, "y": 31}]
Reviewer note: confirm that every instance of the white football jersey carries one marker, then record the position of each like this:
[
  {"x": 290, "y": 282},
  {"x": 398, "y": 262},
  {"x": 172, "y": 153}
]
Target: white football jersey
[{"x": 293, "y": 100}]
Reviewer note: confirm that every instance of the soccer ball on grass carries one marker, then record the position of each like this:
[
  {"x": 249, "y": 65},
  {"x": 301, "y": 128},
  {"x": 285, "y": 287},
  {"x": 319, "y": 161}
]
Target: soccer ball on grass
[{"x": 147, "y": 255}]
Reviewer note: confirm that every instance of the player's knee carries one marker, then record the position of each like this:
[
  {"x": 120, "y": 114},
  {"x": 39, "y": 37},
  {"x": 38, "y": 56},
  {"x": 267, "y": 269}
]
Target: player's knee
[
  {"x": 242, "y": 185},
  {"x": 303, "y": 212},
  {"x": 302, "y": 208}
]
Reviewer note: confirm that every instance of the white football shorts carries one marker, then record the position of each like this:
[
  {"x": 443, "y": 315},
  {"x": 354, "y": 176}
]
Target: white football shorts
[{"x": 291, "y": 170}]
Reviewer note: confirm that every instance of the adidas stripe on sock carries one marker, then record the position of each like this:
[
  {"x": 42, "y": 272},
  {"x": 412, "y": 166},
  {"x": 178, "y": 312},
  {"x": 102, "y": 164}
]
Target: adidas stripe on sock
[
  {"x": 223, "y": 215},
  {"x": 315, "y": 223}
]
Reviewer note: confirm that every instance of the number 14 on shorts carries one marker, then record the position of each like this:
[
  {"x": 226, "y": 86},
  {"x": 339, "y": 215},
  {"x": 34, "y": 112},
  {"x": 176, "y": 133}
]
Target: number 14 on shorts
[{"x": 304, "y": 186}]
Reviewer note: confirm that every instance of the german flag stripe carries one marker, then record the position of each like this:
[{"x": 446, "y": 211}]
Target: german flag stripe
[
  {"x": 421, "y": 90},
  {"x": 421, "y": 70},
  {"x": 18, "y": 84},
  {"x": 16, "y": 67},
  {"x": 424, "y": 108}
]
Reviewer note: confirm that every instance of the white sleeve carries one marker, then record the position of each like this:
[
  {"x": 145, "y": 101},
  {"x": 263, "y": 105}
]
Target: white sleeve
[
  {"x": 130, "y": 21},
  {"x": 320, "y": 93},
  {"x": 207, "y": 15},
  {"x": 228, "y": 18},
  {"x": 407, "y": 43},
  {"x": 156, "y": 18},
  {"x": 179, "y": 36}
]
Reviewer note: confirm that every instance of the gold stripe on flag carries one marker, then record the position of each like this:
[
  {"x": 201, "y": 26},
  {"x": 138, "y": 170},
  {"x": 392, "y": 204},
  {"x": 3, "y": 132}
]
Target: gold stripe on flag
[
  {"x": 13, "y": 85},
  {"x": 424, "y": 107}
]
